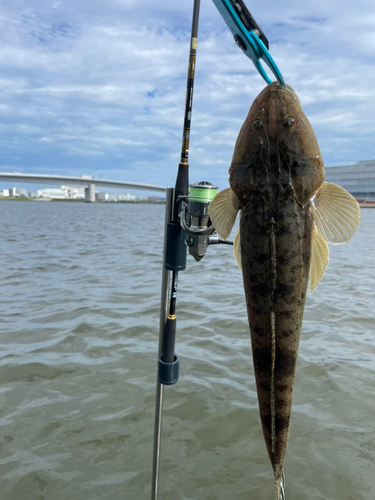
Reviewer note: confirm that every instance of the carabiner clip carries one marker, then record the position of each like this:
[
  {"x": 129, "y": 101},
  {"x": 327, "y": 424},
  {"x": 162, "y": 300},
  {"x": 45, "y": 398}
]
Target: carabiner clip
[
  {"x": 248, "y": 36},
  {"x": 257, "y": 51}
]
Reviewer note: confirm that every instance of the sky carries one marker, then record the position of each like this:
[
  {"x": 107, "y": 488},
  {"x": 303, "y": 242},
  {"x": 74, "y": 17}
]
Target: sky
[{"x": 98, "y": 88}]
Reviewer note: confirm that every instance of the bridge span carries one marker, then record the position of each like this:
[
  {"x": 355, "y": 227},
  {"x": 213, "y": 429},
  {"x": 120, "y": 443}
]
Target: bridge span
[{"x": 86, "y": 181}]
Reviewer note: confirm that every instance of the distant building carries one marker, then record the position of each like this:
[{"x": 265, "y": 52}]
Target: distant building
[
  {"x": 358, "y": 179},
  {"x": 16, "y": 193},
  {"x": 155, "y": 199},
  {"x": 66, "y": 192},
  {"x": 4, "y": 193},
  {"x": 101, "y": 196},
  {"x": 126, "y": 197},
  {"x": 51, "y": 193},
  {"x": 74, "y": 193}
]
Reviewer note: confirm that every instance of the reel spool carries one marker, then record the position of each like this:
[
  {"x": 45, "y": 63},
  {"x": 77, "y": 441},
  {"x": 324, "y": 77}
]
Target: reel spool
[{"x": 195, "y": 220}]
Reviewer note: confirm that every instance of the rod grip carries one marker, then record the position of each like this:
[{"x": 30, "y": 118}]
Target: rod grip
[
  {"x": 175, "y": 249},
  {"x": 169, "y": 339},
  {"x": 168, "y": 363}
]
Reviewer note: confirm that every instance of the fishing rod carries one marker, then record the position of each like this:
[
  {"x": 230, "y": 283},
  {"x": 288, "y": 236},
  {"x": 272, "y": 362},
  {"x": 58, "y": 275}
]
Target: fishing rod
[
  {"x": 174, "y": 260},
  {"x": 187, "y": 223}
]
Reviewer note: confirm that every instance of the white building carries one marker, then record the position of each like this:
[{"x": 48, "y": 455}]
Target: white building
[
  {"x": 74, "y": 193},
  {"x": 125, "y": 197},
  {"x": 358, "y": 179},
  {"x": 14, "y": 193},
  {"x": 51, "y": 193},
  {"x": 66, "y": 192}
]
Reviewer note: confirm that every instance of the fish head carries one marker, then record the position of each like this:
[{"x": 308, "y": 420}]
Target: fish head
[{"x": 276, "y": 144}]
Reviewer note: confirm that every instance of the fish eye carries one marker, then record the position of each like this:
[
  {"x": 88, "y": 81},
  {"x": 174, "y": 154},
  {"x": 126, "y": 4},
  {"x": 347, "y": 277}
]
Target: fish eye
[
  {"x": 257, "y": 123},
  {"x": 289, "y": 121}
]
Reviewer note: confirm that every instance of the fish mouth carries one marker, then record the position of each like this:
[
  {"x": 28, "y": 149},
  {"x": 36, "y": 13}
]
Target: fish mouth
[
  {"x": 275, "y": 88},
  {"x": 273, "y": 105}
]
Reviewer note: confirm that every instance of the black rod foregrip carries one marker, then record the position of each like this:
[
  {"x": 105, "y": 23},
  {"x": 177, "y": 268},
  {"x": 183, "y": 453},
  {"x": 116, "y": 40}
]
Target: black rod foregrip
[
  {"x": 181, "y": 188},
  {"x": 175, "y": 249},
  {"x": 169, "y": 339}
]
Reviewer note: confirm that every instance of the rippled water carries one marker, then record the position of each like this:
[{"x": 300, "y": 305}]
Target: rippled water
[{"x": 79, "y": 315}]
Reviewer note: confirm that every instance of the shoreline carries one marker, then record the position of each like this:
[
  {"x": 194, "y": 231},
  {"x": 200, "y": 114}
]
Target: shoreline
[
  {"x": 137, "y": 202},
  {"x": 368, "y": 204}
]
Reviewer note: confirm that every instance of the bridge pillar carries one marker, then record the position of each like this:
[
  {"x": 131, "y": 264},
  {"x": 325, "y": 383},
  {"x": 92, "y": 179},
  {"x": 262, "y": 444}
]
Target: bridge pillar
[{"x": 90, "y": 193}]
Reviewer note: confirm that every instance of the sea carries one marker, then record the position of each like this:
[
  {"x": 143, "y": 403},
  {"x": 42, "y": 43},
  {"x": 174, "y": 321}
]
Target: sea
[{"x": 80, "y": 296}]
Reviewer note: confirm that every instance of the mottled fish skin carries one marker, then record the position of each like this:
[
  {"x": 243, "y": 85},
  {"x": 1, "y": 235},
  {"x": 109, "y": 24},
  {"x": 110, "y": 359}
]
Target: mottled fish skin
[{"x": 275, "y": 171}]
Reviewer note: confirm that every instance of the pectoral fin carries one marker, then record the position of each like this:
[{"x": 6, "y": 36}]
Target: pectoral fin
[
  {"x": 336, "y": 213},
  {"x": 319, "y": 258},
  {"x": 237, "y": 248},
  {"x": 223, "y": 211}
]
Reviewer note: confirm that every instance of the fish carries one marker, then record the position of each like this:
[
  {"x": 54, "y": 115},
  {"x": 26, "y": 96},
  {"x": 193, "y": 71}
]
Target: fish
[{"x": 288, "y": 214}]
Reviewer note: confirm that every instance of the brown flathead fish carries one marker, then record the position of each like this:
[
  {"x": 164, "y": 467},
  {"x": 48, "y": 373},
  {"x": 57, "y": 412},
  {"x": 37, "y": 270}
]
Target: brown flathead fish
[{"x": 288, "y": 214}]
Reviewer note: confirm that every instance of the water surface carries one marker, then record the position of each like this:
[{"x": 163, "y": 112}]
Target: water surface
[{"x": 79, "y": 315}]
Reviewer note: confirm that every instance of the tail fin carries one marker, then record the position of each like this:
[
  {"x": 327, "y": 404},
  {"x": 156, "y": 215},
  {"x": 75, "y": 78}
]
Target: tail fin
[{"x": 280, "y": 486}]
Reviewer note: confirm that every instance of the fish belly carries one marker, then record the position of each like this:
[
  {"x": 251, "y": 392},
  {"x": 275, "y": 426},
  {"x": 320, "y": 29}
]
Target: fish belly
[{"x": 275, "y": 253}]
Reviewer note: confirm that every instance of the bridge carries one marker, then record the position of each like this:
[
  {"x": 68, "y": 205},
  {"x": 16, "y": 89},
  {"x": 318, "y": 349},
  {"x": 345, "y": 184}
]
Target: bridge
[{"x": 86, "y": 181}]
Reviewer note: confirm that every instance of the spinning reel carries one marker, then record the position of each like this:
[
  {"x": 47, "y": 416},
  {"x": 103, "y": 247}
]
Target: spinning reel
[{"x": 195, "y": 221}]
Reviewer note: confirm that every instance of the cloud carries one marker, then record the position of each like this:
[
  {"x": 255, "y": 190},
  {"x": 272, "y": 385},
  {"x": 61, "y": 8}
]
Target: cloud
[{"x": 95, "y": 87}]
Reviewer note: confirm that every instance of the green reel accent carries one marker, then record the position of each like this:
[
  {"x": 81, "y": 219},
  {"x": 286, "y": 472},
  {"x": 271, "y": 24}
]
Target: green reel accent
[{"x": 203, "y": 192}]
